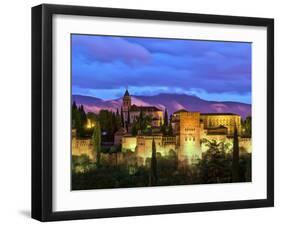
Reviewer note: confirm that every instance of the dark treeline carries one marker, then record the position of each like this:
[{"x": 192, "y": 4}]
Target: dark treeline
[
  {"x": 109, "y": 122},
  {"x": 79, "y": 120}
]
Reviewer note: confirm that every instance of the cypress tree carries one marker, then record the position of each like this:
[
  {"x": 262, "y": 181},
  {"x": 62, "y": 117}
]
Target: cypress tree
[
  {"x": 118, "y": 119},
  {"x": 161, "y": 123},
  {"x": 128, "y": 117},
  {"x": 141, "y": 121},
  {"x": 74, "y": 106},
  {"x": 166, "y": 118},
  {"x": 114, "y": 122},
  {"x": 235, "y": 157},
  {"x": 141, "y": 114},
  {"x": 122, "y": 118},
  {"x": 134, "y": 128},
  {"x": 96, "y": 140},
  {"x": 83, "y": 121},
  {"x": 77, "y": 117},
  {"x": 74, "y": 116},
  {"x": 128, "y": 120},
  {"x": 83, "y": 115},
  {"x": 164, "y": 127},
  {"x": 153, "y": 167},
  {"x": 170, "y": 129}
]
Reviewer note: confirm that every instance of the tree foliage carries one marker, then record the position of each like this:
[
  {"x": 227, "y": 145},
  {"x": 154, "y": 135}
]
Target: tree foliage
[
  {"x": 153, "y": 165},
  {"x": 109, "y": 124},
  {"x": 235, "y": 157},
  {"x": 122, "y": 118},
  {"x": 246, "y": 126},
  {"x": 128, "y": 122},
  {"x": 166, "y": 127},
  {"x": 141, "y": 123},
  {"x": 215, "y": 165},
  {"x": 79, "y": 120}
]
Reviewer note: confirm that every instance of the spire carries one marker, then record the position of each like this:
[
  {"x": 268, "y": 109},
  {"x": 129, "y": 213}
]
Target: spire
[{"x": 126, "y": 93}]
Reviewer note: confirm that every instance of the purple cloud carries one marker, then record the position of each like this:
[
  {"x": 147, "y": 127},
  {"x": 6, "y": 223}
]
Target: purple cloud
[
  {"x": 108, "y": 49},
  {"x": 112, "y": 63}
]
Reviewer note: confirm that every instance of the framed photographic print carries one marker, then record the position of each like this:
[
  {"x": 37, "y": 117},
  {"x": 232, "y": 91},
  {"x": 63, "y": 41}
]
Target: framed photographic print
[{"x": 145, "y": 112}]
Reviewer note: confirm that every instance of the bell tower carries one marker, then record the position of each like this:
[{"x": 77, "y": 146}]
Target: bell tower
[{"x": 126, "y": 101}]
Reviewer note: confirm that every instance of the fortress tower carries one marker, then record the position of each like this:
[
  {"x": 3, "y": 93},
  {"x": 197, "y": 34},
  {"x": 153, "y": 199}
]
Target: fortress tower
[{"x": 187, "y": 131}]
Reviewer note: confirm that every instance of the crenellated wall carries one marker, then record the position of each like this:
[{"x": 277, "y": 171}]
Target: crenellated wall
[{"x": 83, "y": 147}]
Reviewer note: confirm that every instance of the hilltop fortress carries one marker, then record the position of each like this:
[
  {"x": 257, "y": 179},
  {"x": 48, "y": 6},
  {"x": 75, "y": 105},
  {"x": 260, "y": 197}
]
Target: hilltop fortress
[{"x": 189, "y": 130}]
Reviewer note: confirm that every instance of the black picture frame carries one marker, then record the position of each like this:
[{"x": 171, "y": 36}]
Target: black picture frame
[{"x": 42, "y": 111}]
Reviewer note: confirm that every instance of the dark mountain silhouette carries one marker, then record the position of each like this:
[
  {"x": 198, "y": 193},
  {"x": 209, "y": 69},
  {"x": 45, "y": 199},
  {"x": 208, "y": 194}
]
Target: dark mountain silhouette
[{"x": 172, "y": 102}]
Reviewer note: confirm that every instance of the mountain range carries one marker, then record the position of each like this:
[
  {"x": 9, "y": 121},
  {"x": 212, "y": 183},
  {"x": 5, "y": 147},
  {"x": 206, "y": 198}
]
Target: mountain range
[{"x": 172, "y": 102}]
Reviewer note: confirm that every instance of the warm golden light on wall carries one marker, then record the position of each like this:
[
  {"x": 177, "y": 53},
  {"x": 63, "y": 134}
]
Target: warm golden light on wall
[{"x": 90, "y": 124}]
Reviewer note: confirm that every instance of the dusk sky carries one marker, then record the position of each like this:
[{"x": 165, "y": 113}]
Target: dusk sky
[{"x": 103, "y": 66}]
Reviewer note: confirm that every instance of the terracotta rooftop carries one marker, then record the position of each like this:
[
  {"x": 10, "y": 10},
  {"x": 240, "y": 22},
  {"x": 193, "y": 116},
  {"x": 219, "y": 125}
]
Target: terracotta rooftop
[
  {"x": 218, "y": 113},
  {"x": 121, "y": 131},
  {"x": 181, "y": 110},
  {"x": 144, "y": 108}
]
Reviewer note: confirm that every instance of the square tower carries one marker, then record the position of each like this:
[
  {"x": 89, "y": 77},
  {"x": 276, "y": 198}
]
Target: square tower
[{"x": 188, "y": 136}]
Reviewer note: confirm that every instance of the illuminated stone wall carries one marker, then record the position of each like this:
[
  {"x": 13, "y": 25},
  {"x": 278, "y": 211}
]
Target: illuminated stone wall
[
  {"x": 163, "y": 145},
  {"x": 245, "y": 145},
  {"x": 129, "y": 143},
  {"x": 144, "y": 145},
  {"x": 83, "y": 147},
  {"x": 227, "y": 120}
]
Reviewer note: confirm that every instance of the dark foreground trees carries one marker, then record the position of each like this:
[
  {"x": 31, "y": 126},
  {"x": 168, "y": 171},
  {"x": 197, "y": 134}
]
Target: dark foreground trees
[
  {"x": 86, "y": 175},
  {"x": 215, "y": 165},
  {"x": 221, "y": 165}
]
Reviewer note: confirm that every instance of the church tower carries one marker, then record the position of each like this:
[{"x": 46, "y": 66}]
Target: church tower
[
  {"x": 126, "y": 104},
  {"x": 126, "y": 101}
]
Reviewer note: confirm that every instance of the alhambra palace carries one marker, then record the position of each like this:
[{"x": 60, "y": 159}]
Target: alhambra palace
[{"x": 189, "y": 131}]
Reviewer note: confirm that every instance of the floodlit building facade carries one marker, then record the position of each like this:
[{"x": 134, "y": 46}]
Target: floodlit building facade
[
  {"x": 134, "y": 111},
  {"x": 190, "y": 129}
]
